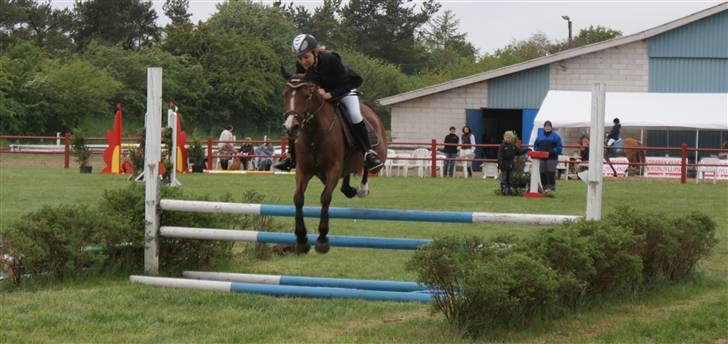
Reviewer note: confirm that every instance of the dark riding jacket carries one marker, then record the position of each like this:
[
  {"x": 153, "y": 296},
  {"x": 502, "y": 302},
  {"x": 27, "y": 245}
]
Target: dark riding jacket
[
  {"x": 614, "y": 133},
  {"x": 331, "y": 74}
]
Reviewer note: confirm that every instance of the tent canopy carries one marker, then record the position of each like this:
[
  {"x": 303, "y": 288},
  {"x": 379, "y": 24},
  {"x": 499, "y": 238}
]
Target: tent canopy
[{"x": 572, "y": 109}]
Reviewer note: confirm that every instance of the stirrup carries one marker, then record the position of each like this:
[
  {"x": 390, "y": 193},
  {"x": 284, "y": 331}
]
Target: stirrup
[{"x": 372, "y": 161}]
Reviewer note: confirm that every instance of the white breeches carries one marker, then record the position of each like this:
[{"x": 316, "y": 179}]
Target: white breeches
[
  {"x": 351, "y": 101},
  {"x": 610, "y": 142}
]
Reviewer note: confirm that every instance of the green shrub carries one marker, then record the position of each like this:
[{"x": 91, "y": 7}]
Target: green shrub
[
  {"x": 506, "y": 282},
  {"x": 58, "y": 241}
]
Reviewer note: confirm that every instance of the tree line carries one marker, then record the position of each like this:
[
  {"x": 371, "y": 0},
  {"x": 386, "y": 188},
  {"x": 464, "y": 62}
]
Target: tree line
[{"x": 66, "y": 68}]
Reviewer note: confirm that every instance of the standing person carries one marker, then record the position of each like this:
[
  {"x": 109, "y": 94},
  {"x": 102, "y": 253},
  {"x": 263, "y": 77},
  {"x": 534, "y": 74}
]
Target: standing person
[
  {"x": 336, "y": 82},
  {"x": 548, "y": 141},
  {"x": 507, "y": 152},
  {"x": 246, "y": 150},
  {"x": 467, "y": 151},
  {"x": 226, "y": 146},
  {"x": 451, "y": 152},
  {"x": 614, "y": 133}
]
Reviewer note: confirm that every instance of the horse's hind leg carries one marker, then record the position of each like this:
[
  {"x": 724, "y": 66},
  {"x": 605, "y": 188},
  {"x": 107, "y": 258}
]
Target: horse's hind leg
[
  {"x": 363, "y": 190},
  {"x": 322, "y": 242},
  {"x": 302, "y": 245},
  {"x": 346, "y": 188}
]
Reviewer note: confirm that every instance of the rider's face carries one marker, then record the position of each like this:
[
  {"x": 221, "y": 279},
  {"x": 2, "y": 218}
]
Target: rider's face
[{"x": 306, "y": 59}]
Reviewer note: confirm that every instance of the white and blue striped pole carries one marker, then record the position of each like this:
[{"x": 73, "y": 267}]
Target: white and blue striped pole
[
  {"x": 289, "y": 238},
  {"x": 283, "y": 290},
  {"x": 366, "y": 214},
  {"x": 307, "y": 281}
]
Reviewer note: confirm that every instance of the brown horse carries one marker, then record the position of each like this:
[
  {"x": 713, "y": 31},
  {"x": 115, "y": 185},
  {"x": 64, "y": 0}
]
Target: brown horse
[
  {"x": 631, "y": 149},
  {"x": 322, "y": 151}
]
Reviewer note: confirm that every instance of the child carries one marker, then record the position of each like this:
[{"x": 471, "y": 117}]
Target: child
[{"x": 506, "y": 153}]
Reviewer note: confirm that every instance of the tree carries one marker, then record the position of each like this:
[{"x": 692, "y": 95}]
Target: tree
[
  {"x": 594, "y": 34},
  {"x": 386, "y": 29},
  {"x": 444, "y": 45},
  {"x": 176, "y": 11},
  {"x": 48, "y": 28},
  {"x": 129, "y": 22}
]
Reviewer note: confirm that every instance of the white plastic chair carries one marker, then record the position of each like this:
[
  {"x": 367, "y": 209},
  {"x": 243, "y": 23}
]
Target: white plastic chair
[
  {"x": 440, "y": 164},
  {"x": 421, "y": 165},
  {"x": 490, "y": 169},
  {"x": 711, "y": 170},
  {"x": 391, "y": 155},
  {"x": 562, "y": 168},
  {"x": 399, "y": 163}
]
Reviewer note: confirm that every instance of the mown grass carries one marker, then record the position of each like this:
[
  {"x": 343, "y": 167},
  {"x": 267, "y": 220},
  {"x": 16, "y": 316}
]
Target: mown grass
[{"x": 109, "y": 309}]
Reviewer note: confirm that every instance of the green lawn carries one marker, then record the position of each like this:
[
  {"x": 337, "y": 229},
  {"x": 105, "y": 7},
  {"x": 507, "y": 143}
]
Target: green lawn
[{"x": 110, "y": 309}]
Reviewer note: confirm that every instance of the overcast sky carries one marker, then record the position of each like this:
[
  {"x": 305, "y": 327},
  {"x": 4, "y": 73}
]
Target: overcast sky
[{"x": 490, "y": 25}]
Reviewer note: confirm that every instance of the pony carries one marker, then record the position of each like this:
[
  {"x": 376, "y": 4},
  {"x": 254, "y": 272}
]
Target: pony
[
  {"x": 630, "y": 148},
  {"x": 322, "y": 151}
]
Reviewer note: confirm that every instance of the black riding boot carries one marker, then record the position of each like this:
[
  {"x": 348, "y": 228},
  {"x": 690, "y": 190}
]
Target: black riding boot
[
  {"x": 290, "y": 161},
  {"x": 373, "y": 163}
]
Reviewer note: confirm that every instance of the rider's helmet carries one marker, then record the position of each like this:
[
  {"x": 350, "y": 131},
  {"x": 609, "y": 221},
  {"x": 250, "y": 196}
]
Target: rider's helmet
[
  {"x": 303, "y": 43},
  {"x": 616, "y": 120}
]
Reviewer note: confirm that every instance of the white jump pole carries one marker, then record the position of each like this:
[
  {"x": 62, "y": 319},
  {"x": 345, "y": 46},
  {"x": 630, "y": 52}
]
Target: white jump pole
[
  {"x": 152, "y": 156},
  {"x": 596, "y": 153}
]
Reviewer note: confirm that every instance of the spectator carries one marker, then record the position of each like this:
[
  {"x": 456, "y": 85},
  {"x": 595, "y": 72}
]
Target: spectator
[
  {"x": 466, "y": 150},
  {"x": 507, "y": 151},
  {"x": 226, "y": 146},
  {"x": 451, "y": 152},
  {"x": 246, "y": 150},
  {"x": 548, "y": 141},
  {"x": 584, "y": 148},
  {"x": 264, "y": 158}
]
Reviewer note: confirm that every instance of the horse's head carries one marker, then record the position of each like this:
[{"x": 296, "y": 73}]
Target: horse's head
[{"x": 301, "y": 102}]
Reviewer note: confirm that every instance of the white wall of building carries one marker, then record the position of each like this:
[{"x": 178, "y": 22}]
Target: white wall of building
[{"x": 425, "y": 118}]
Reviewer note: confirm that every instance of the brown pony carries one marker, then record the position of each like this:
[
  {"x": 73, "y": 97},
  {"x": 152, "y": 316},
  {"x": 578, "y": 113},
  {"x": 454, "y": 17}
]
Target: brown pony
[
  {"x": 322, "y": 151},
  {"x": 631, "y": 149}
]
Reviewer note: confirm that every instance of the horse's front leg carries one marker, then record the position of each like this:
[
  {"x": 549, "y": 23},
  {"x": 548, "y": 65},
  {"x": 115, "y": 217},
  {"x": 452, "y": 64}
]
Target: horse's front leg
[
  {"x": 363, "y": 189},
  {"x": 346, "y": 188},
  {"x": 322, "y": 242},
  {"x": 302, "y": 245}
]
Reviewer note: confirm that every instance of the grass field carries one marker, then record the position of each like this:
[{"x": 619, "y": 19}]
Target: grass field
[{"x": 110, "y": 309}]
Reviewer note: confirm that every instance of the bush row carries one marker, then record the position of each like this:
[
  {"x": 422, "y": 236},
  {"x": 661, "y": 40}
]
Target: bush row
[
  {"x": 507, "y": 282},
  {"x": 67, "y": 240}
]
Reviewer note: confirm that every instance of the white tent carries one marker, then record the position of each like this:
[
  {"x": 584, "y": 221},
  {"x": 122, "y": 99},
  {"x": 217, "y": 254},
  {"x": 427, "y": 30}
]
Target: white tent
[{"x": 572, "y": 109}]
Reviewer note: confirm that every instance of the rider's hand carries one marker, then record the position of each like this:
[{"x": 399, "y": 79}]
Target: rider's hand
[{"x": 324, "y": 94}]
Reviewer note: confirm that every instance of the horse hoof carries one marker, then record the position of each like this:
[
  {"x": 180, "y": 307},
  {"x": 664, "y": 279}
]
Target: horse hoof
[
  {"x": 322, "y": 247},
  {"x": 303, "y": 249},
  {"x": 349, "y": 193}
]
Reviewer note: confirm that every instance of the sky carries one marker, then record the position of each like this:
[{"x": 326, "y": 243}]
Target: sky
[{"x": 490, "y": 25}]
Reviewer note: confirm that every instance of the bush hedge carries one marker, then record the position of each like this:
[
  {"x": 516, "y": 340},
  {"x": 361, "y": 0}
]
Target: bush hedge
[
  {"x": 506, "y": 282},
  {"x": 68, "y": 240}
]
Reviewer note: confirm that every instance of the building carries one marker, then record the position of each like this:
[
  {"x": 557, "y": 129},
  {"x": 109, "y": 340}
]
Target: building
[{"x": 687, "y": 55}]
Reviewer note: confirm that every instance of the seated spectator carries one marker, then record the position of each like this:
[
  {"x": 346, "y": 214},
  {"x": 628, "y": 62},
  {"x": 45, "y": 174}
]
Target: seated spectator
[
  {"x": 246, "y": 150},
  {"x": 265, "y": 156}
]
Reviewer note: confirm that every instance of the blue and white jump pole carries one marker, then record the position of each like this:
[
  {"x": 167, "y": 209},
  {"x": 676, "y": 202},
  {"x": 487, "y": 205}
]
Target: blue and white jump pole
[
  {"x": 307, "y": 281},
  {"x": 365, "y": 213},
  {"x": 288, "y": 238},
  {"x": 283, "y": 290}
]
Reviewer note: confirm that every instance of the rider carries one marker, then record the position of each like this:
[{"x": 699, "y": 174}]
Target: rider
[
  {"x": 614, "y": 133},
  {"x": 336, "y": 81}
]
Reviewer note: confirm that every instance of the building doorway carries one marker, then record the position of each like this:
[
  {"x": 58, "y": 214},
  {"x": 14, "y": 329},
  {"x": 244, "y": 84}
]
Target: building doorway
[{"x": 495, "y": 123}]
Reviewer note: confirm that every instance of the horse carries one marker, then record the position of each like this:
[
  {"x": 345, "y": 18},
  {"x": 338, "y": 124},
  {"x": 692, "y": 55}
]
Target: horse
[
  {"x": 322, "y": 151},
  {"x": 631, "y": 148}
]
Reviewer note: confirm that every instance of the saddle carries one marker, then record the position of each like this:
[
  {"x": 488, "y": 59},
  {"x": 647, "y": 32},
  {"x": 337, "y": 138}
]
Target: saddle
[{"x": 346, "y": 128}]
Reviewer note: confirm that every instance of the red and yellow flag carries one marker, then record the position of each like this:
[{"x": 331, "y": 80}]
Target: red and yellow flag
[{"x": 112, "y": 154}]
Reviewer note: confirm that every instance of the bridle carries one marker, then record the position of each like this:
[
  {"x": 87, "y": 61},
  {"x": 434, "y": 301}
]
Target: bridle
[{"x": 308, "y": 115}]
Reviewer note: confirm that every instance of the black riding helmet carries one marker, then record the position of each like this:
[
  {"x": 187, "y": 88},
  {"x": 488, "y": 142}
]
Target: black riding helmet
[{"x": 303, "y": 43}]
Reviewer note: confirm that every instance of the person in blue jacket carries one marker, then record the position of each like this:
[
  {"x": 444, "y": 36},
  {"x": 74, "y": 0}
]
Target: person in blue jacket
[{"x": 548, "y": 141}]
